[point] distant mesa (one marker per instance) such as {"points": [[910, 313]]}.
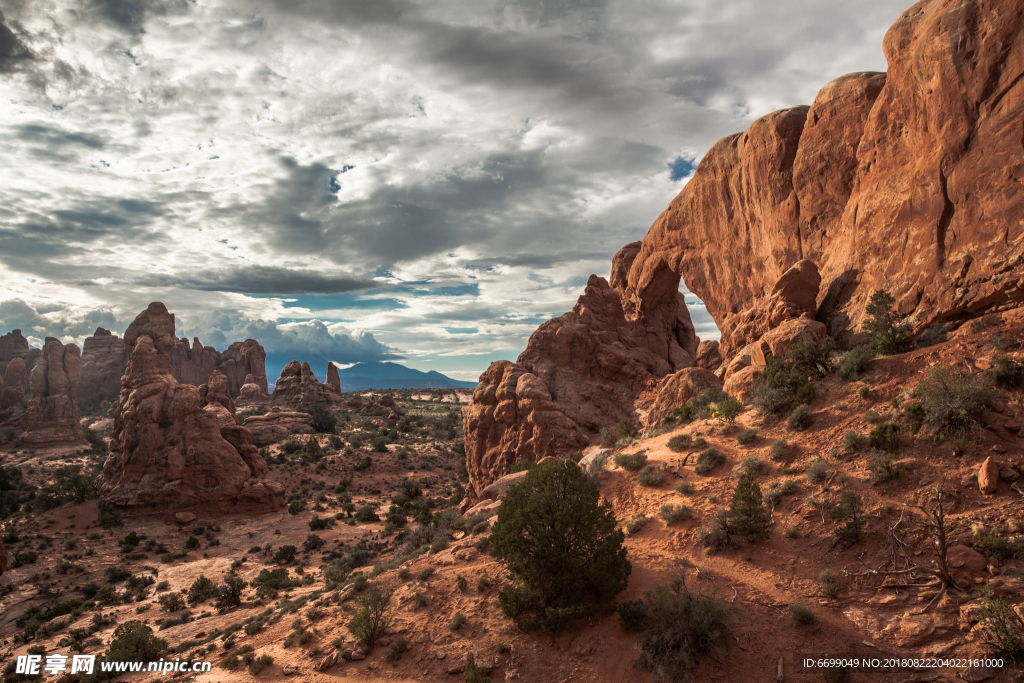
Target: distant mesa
{"points": [[177, 446], [905, 181], [387, 375]]}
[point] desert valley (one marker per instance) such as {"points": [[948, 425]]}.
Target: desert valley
{"points": [[839, 476]]}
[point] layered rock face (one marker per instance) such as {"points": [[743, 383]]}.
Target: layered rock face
{"points": [[252, 393], [909, 181], [12, 395], [51, 416], [277, 424], [103, 364], [579, 373], [176, 446], [298, 386], [195, 363]]}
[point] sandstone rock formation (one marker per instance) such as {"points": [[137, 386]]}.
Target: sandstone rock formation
{"points": [[15, 345], [676, 389], [988, 476], [333, 379], [51, 416], [298, 386], [3, 560], [103, 364], [277, 424], [908, 181], [172, 447], [709, 356], [252, 393], [911, 181], [15, 384], [195, 363]]}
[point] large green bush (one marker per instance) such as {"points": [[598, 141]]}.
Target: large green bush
{"points": [[954, 403], [886, 329], [560, 545]]}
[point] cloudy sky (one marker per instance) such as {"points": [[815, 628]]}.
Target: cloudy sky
{"points": [[371, 179]]}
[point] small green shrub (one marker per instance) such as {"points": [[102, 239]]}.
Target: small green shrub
{"points": [[850, 512], [778, 451], [632, 462], [1002, 626], [679, 443], [633, 614], [886, 330], [751, 466], [684, 487], [675, 513], [806, 394], [637, 523], [885, 437], [374, 615], [397, 649], [953, 403], [855, 363], [715, 536], [1006, 373], [708, 460], [853, 442], [425, 574], [829, 583], [800, 419], [651, 475], [457, 622], [885, 468], [747, 514], [746, 436], [817, 471], [801, 613]]}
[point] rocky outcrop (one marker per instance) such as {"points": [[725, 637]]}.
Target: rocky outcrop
{"points": [[579, 373], [172, 447], [103, 364], [15, 345], [333, 378], [907, 181], [195, 363], [252, 394], [675, 390], [988, 476], [298, 386], [15, 384], [51, 416], [277, 424], [708, 355]]}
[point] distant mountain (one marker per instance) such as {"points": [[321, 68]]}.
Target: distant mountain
{"points": [[385, 375]]}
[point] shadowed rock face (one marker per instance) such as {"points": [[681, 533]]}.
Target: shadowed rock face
{"points": [[51, 416], [12, 395], [15, 345], [176, 446], [103, 364], [911, 181]]}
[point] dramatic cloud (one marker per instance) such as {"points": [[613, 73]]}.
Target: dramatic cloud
{"points": [[364, 180]]}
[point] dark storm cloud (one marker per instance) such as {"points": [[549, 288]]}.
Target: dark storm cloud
{"points": [[264, 280], [12, 50], [48, 136], [131, 15]]}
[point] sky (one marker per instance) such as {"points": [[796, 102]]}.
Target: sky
{"points": [[399, 180]]}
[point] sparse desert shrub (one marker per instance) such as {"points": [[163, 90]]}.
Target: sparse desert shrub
{"points": [[285, 554], [633, 614], [885, 437], [636, 523], [559, 543], [397, 649], [482, 584], [374, 615], [855, 363], [312, 543], [747, 514], [829, 583], [853, 442], [817, 471], [800, 419], [460, 583], [801, 613], [1002, 625], [715, 536], [751, 466], [367, 514], [886, 468], [806, 394], [850, 512], [257, 664], [746, 436], [457, 622], [1006, 373], [681, 626], [773, 496], [424, 574], [632, 462], [886, 329], [778, 451], [914, 415], [651, 475], [318, 523], [936, 334], [679, 443], [675, 513], [708, 460], [116, 574], [684, 487], [954, 403], [627, 429]]}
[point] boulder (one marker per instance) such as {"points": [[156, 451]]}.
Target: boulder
{"points": [[103, 364], [252, 394], [51, 416], [277, 424], [675, 390], [966, 565], [483, 507], [1009, 474], [498, 489], [709, 356], [185, 517], [741, 384], [988, 476], [169, 451]]}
